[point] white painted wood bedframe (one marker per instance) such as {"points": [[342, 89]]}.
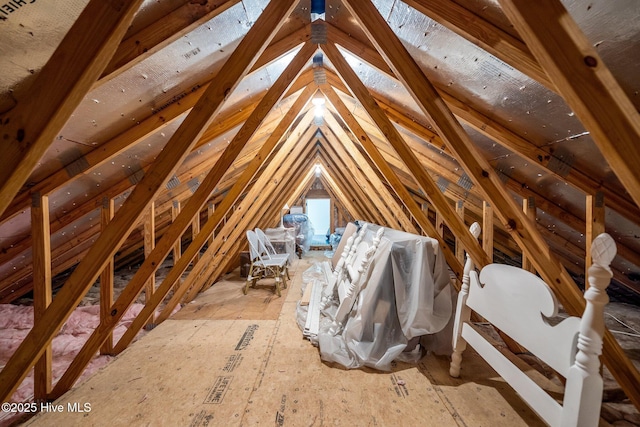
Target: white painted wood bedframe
{"points": [[342, 285], [516, 302]]}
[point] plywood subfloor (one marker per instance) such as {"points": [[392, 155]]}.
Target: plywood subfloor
{"points": [[229, 360]]}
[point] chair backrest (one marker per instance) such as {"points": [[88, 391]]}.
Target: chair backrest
{"points": [[265, 242], [254, 246]]}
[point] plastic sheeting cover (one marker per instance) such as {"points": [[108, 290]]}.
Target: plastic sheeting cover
{"points": [[406, 293]]}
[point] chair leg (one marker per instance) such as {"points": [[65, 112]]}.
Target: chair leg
{"points": [[249, 280], [278, 292]]}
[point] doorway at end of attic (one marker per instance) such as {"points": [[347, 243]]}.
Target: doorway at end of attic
{"points": [[318, 211]]}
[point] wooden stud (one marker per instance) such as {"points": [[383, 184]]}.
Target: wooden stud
{"points": [[41, 288], [149, 243], [150, 265], [487, 229], [106, 277], [195, 229], [211, 208], [179, 145], [460, 210], [595, 226], [177, 246], [30, 127], [523, 232], [585, 82]]}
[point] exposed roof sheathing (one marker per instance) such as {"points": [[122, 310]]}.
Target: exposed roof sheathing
{"points": [[512, 110]]}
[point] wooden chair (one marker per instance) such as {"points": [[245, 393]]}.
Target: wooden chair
{"points": [[517, 302], [264, 267], [267, 251]]}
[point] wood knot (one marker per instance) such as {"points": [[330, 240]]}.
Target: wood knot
{"points": [[590, 61]]}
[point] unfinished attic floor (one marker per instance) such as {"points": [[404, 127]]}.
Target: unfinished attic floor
{"points": [[230, 359]]}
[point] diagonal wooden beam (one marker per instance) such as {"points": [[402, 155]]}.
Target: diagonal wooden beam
{"points": [[184, 218], [154, 123], [222, 211], [577, 177], [283, 166], [30, 127], [338, 187], [484, 34], [139, 46], [235, 68], [407, 155], [521, 228], [361, 202], [584, 81], [388, 173], [379, 192]]}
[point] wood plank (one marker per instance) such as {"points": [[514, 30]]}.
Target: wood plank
{"points": [[521, 229], [408, 157], [163, 31], [195, 230], [487, 229], [29, 128], [595, 221], [42, 292], [181, 222], [275, 375], [149, 243], [176, 207], [585, 83], [107, 211], [179, 145], [489, 37], [460, 210], [389, 175]]}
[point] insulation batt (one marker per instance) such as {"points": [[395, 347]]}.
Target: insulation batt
{"points": [[16, 321]]}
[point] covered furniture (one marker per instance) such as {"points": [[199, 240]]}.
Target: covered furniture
{"points": [[373, 304]]}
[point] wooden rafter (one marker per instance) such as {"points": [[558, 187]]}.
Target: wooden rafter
{"points": [[345, 149], [150, 125], [137, 47], [390, 176], [507, 138], [407, 156], [477, 30], [236, 67], [520, 227], [184, 218], [31, 126], [585, 83]]}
